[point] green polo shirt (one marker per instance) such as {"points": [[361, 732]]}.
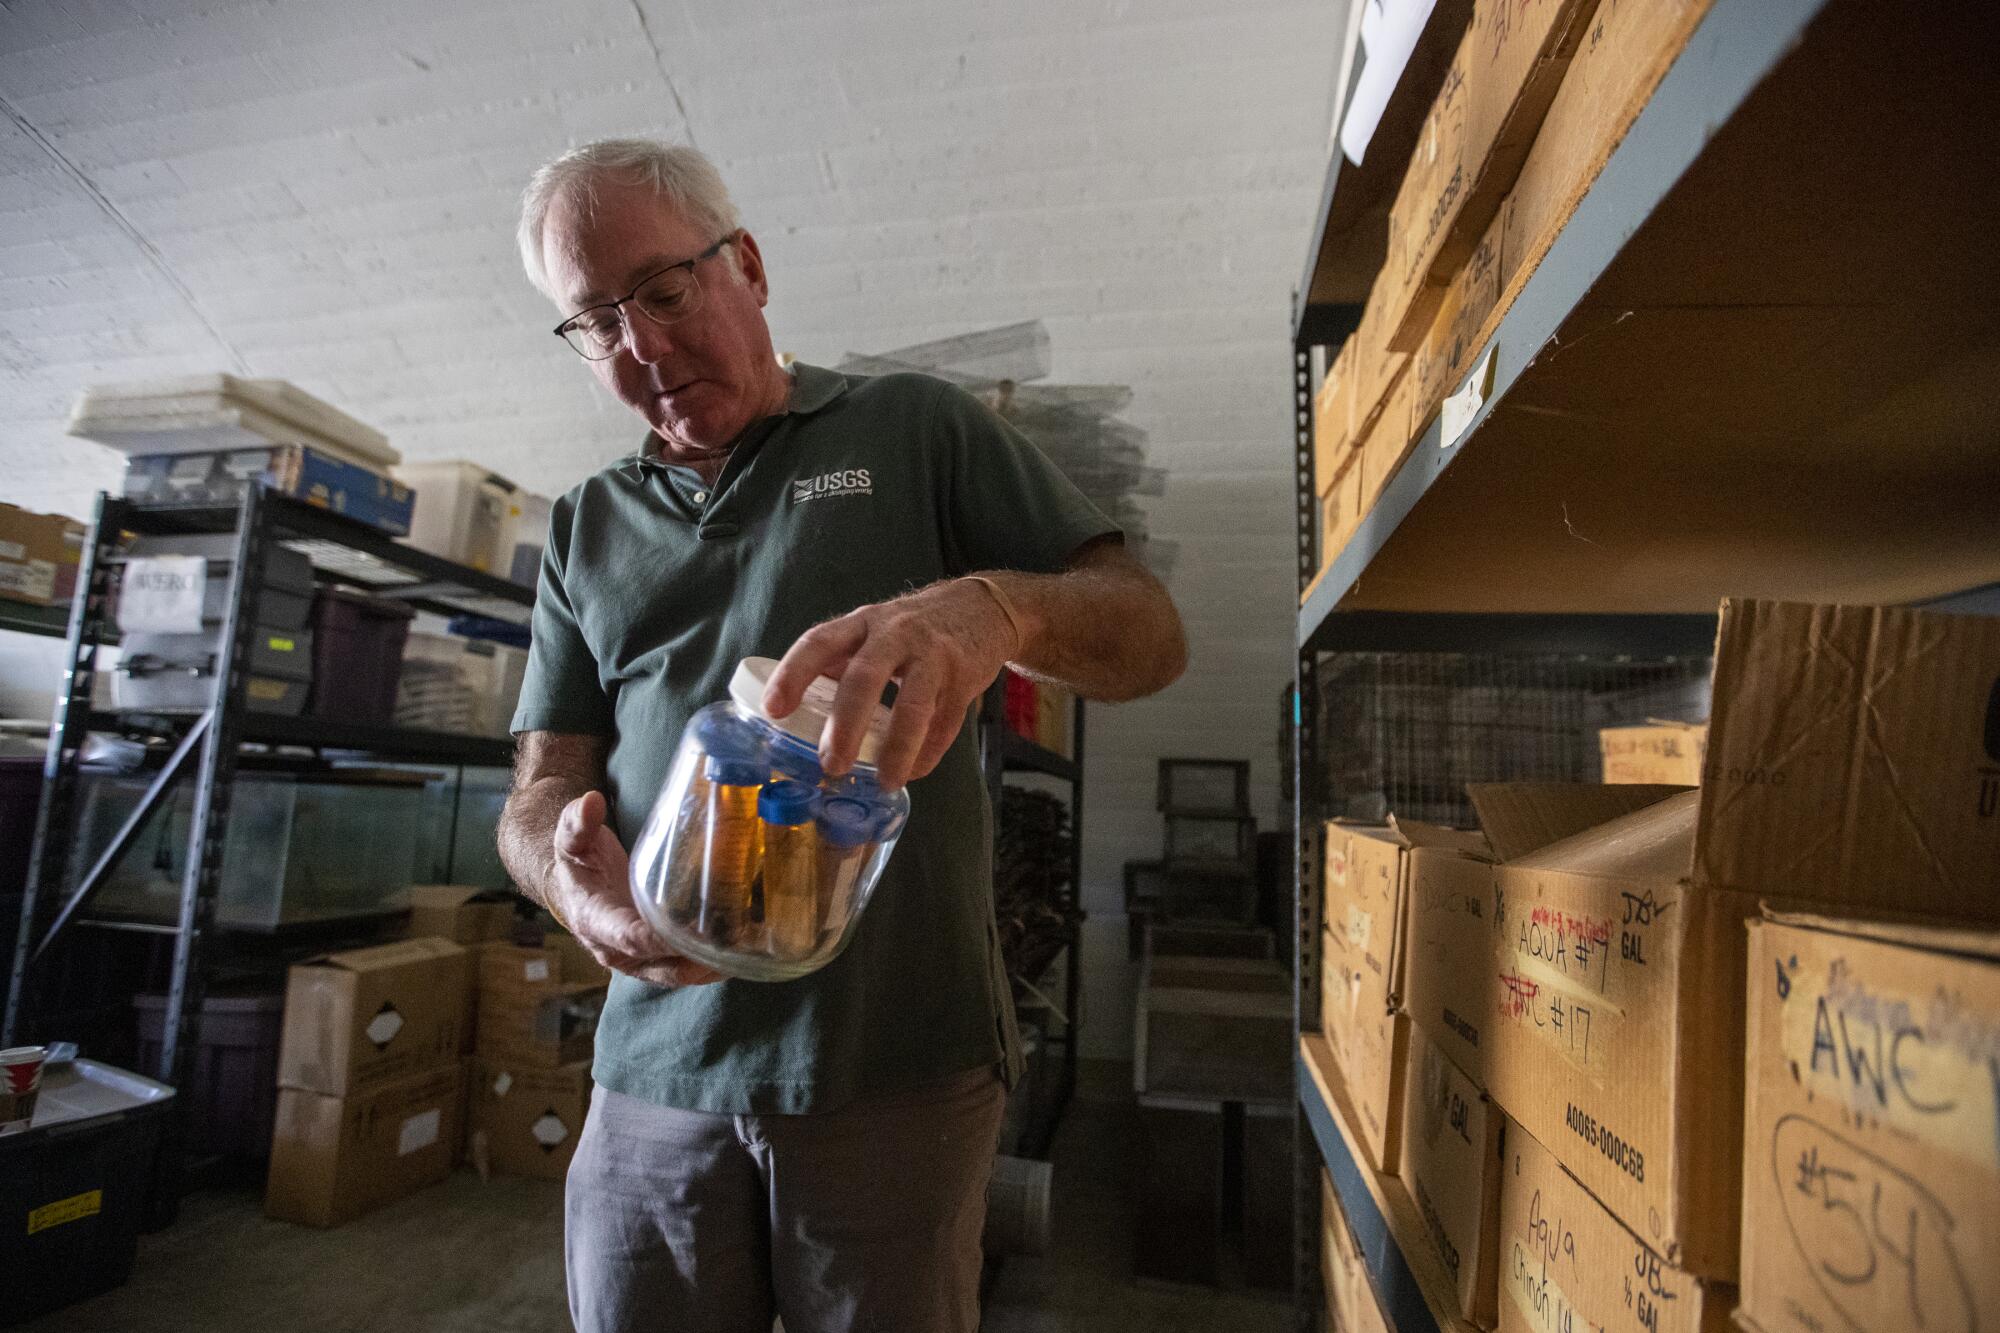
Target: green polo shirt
{"points": [[655, 585]]}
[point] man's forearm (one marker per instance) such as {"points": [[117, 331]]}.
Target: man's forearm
{"points": [[527, 832], [1105, 628]]}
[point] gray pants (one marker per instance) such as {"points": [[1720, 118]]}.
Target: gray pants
{"points": [[867, 1218]]}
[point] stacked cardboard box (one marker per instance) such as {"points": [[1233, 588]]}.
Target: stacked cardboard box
{"points": [[39, 556], [537, 1024], [370, 1085], [1591, 980], [1538, 96], [1368, 875]]}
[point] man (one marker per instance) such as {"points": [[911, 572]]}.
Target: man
{"points": [[817, 1149]]}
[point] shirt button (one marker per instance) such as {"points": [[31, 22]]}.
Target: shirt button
{"points": [[700, 497]]}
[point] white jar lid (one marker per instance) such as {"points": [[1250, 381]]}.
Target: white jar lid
{"points": [[808, 721]]}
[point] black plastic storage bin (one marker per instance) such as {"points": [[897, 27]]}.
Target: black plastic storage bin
{"points": [[20, 796], [357, 655], [73, 1187], [232, 1099]]}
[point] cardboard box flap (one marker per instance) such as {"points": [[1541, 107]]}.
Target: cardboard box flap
{"points": [[1415, 833], [377, 957], [1656, 842], [1523, 817], [1853, 747], [1910, 931]]}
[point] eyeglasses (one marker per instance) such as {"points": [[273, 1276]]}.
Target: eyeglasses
{"points": [[672, 294]]}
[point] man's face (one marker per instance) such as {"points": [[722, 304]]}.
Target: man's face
{"points": [[700, 381]]}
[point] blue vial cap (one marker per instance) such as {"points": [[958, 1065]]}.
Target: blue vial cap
{"points": [[785, 802], [727, 737], [796, 759], [724, 771], [846, 822]]}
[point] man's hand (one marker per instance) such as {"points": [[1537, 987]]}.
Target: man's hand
{"points": [[588, 885], [942, 646]]}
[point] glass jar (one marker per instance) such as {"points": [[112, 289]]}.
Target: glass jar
{"points": [[753, 860]]}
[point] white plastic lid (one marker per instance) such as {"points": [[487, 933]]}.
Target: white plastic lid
{"points": [[808, 720]]}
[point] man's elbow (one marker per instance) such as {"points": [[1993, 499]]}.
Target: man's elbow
{"points": [[1157, 658]]}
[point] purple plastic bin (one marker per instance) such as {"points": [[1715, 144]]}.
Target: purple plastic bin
{"points": [[233, 1101], [357, 656]]}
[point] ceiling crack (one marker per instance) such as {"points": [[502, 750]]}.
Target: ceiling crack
{"points": [[660, 63], [147, 249]]}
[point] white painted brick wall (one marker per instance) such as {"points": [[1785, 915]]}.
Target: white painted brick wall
{"points": [[332, 186]]}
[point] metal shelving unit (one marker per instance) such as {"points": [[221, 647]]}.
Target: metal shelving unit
{"points": [[1756, 361], [50, 980], [1003, 751]]}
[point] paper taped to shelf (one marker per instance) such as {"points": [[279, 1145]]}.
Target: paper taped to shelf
{"points": [[161, 594], [1459, 409], [1389, 33]]}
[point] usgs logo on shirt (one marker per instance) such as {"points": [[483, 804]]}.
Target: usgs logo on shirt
{"points": [[854, 481]]}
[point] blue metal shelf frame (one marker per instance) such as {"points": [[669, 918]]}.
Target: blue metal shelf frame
{"points": [[1737, 43]]}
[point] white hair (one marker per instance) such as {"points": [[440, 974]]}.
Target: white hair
{"points": [[680, 175]]}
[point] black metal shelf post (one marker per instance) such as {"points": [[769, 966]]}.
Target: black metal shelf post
{"points": [[208, 745], [1002, 751]]}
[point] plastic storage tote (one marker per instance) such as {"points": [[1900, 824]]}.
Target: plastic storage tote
{"points": [[74, 1186], [357, 656], [232, 1098], [294, 851], [175, 673], [753, 860], [280, 604]]}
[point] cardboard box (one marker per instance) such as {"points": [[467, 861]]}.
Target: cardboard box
{"points": [[1501, 83], [525, 1121], [1871, 1175], [1340, 512], [465, 914], [541, 1028], [39, 556], [334, 1158], [557, 959], [1389, 442], [539, 1004], [1450, 1161], [1351, 1306], [1367, 882], [1214, 1030], [1854, 758], [1054, 712], [1333, 418], [1615, 1013], [1470, 309], [1566, 1263], [366, 1017], [1654, 752], [1625, 50]]}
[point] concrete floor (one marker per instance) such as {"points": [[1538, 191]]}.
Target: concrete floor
{"points": [[486, 1257]]}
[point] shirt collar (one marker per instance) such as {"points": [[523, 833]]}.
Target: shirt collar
{"points": [[813, 387]]}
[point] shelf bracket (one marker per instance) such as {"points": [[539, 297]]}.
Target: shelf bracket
{"points": [[128, 832]]}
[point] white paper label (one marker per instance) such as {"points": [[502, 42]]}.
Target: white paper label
{"points": [[549, 1131], [419, 1131], [12, 551], [382, 1028], [536, 969], [1463, 406], [502, 1082], [35, 579], [161, 594]]}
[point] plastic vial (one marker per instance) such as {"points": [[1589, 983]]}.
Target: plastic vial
{"points": [[846, 831], [732, 849], [792, 907]]}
